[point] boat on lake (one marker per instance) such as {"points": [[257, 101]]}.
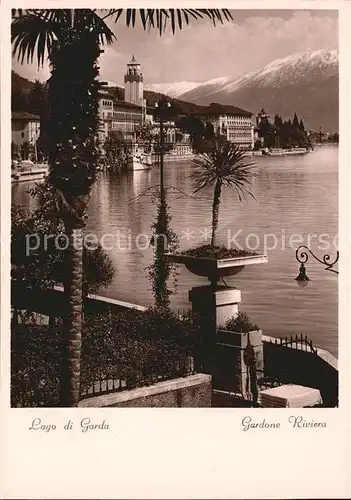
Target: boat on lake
{"points": [[284, 152], [28, 170], [296, 151], [140, 161]]}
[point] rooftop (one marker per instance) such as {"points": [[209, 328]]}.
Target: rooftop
{"points": [[116, 102], [133, 60], [23, 115], [221, 109]]}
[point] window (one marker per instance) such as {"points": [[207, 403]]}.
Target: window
{"points": [[22, 135]]}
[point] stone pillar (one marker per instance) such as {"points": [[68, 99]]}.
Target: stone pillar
{"points": [[234, 371], [224, 354], [214, 304]]}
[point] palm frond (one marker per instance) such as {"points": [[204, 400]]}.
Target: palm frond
{"points": [[32, 32], [228, 164], [216, 15], [159, 18], [94, 22], [35, 30]]}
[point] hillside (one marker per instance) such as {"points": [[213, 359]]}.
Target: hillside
{"points": [[21, 88]]}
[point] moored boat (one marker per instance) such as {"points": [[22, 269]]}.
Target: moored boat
{"points": [[139, 162], [296, 151], [27, 170], [284, 152]]}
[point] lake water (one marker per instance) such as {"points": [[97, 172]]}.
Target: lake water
{"points": [[296, 195]]}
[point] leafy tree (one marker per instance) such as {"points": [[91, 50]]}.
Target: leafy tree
{"points": [[334, 138], [278, 121], [266, 130], [26, 150], [209, 131], [146, 135], [179, 136], [37, 99], [113, 146], [39, 249], [15, 151], [19, 100], [223, 166], [257, 145], [193, 126], [295, 121], [72, 40]]}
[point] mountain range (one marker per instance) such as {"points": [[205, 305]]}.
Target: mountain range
{"points": [[306, 83]]}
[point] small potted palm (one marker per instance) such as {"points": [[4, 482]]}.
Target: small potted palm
{"points": [[224, 166]]}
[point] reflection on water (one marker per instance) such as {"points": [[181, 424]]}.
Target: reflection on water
{"points": [[295, 197]]}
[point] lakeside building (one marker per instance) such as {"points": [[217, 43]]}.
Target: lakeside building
{"points": [[116, 115], [128, 115], [229, 121], [25, 127]]}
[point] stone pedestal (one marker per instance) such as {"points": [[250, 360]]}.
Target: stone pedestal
{"points": [[216, 304], [224, 354], [232, 371]]}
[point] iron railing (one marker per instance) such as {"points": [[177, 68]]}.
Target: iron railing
{"points": [[298, 341], [106, 384]]}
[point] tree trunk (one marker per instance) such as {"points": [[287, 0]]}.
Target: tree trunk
{"points": [[70, 383], [215, 210]]}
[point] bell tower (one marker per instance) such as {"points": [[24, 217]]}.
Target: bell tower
{"points": [[134, 83]]}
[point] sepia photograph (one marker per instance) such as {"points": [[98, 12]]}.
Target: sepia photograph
{"points": [[175, 209]]}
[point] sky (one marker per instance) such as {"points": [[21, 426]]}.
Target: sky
{"points": [[201, 51]]}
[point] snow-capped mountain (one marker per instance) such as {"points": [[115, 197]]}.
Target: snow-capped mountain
{"points": [[172, 89], [305, 82], [303, 66]]}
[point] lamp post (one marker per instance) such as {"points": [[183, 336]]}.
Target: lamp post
{"points": [[162, 106], [302, 256]]}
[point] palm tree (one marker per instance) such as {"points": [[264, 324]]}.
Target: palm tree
{"points": [[223, 166], [72, 39]]}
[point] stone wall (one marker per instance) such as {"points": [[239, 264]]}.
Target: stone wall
{"points": [[194, 391]]}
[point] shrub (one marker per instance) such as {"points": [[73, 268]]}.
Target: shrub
{"points": [[136, 347], [217, 252], [240, 323], [35, 366], [45, 266]]}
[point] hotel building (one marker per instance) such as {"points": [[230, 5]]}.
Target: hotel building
{"points": [[25, 127], [229, 121]]}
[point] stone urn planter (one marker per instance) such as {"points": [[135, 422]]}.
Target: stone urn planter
{"points": [[215, 269]]}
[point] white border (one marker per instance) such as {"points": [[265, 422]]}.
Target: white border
{"points": [[193, 453]]}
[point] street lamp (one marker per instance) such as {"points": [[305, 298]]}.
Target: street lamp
{"points": [[302, 256], [302, 279], [162, 106]]}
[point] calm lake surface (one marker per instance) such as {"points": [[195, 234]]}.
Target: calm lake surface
{"points": [[296, 195]]}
